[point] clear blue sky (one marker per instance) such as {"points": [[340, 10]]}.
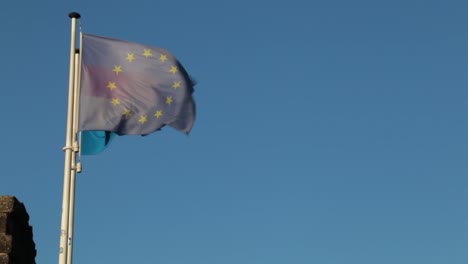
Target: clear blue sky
{"points": [[331, 132]]}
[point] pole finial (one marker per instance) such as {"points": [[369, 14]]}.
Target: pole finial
{"points": [[74, 15]]}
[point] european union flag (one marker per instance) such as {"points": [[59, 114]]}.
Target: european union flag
{"points": [[132, 89]]}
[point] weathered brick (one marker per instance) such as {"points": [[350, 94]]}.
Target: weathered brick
{"points": [[16, 235], [3, 222], [5, 243], [4, 259], [7, 204]]}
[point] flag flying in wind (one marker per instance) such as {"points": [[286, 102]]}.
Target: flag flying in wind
{"points": [[132, 89]]}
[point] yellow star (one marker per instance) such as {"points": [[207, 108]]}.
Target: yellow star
{"points": [[169, 100], [163, 58], [111, 86], [158, 114], [147, 53], [176, 85], [127, 112], [174, 70], [115, 101], [130, 57], [143, 119], [117, 69]]}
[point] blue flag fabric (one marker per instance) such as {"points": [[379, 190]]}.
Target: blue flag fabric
{"points": [[95, 142], [132, 89]]}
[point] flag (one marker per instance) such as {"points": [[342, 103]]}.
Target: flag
{"points": [[95, 142], [132, 89]]}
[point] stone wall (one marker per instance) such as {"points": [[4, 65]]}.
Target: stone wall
{"points": [[16, 236]]}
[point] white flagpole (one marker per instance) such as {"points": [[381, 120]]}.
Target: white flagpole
{"points": [[74, 166], [64, 236]]}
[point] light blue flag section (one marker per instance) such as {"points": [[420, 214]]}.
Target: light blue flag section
{"points": [[94, 142]]}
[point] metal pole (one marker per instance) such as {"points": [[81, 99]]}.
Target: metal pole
{"points": [[71, 211], [68, 145]]}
